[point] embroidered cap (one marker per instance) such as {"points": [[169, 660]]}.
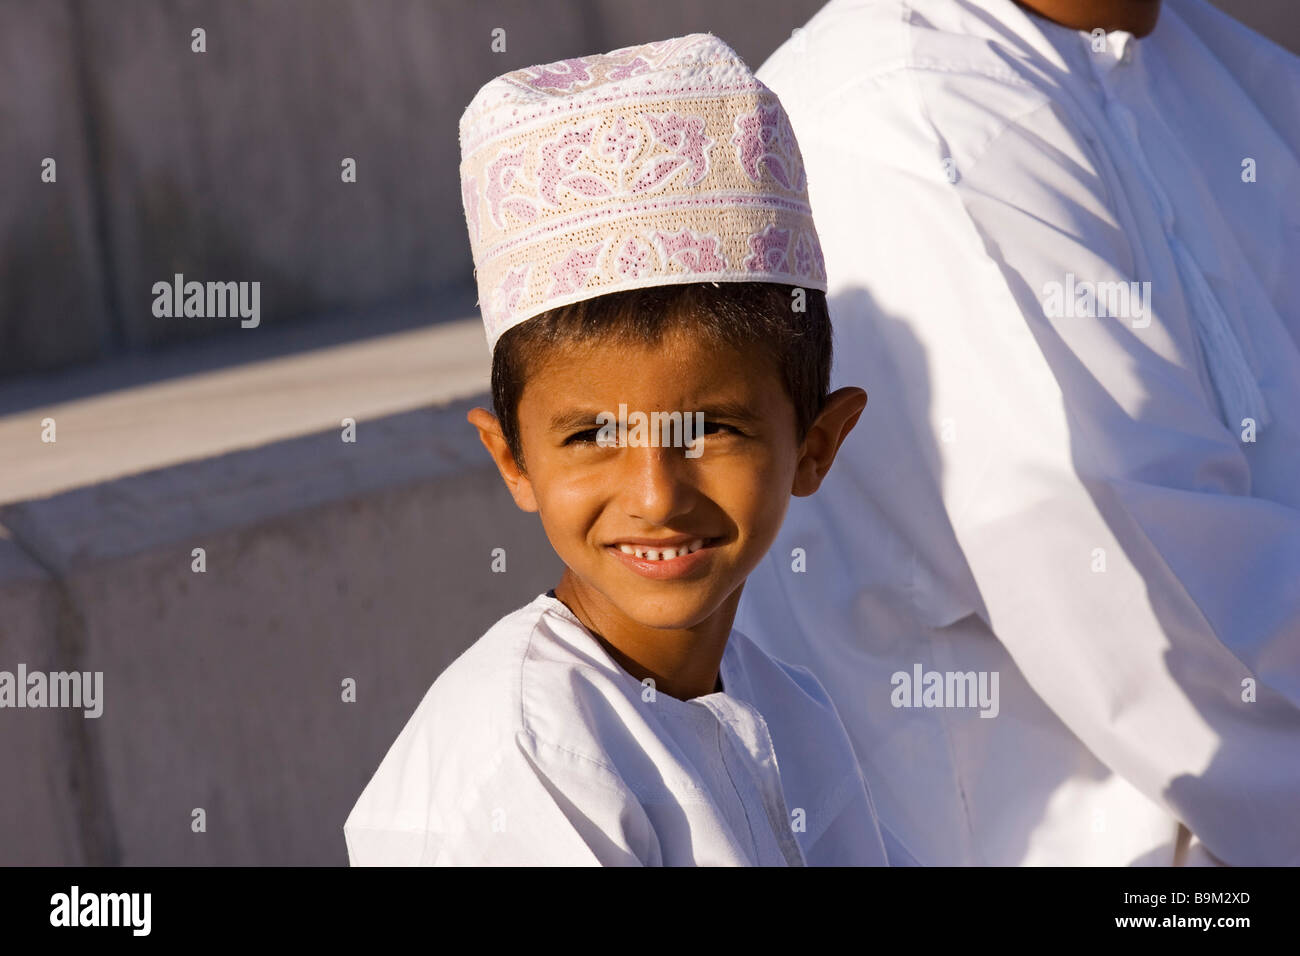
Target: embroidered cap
{"points": [[658, 164]]}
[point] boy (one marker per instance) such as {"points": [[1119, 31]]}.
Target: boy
{"points": [[643, 242]]}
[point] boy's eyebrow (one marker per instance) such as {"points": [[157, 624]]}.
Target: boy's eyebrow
{"points": [[736, 411], [574, 418], [586, 418]]}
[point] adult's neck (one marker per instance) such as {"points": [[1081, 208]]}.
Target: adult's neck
{"points": [[1137, 17]]}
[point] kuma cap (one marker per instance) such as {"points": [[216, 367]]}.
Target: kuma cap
{"points": [[658, 164]]}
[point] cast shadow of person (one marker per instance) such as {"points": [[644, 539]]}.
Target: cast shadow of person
{"points": [[884, 587], [1226, 658]]}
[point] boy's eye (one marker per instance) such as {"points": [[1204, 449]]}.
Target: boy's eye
{"points": [[588, 436]]}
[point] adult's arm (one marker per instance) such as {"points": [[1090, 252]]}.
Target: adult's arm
{"points": [[1102, 507]]}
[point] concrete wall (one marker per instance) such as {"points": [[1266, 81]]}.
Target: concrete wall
{"points": [[225, 165], [222, 689], [52, 303], [40, 749]]}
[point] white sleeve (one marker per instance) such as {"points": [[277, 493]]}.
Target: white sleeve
{"points": [[537, 807], [1061, 446], [547, 807]]}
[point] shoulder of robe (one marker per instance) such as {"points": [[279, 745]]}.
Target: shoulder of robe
{"points": [[534, 677], [455, 738], [886, 73], [771, 678], [478, 694], [525, 709], [466, 722]]}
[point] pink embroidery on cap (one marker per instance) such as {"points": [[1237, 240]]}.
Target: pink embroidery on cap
{"points": [[512, 289], [803, 254], [688, 144], [633, 258], [768, 250], [564, 75], [559, 159], [622, 142], [764, 139], [691, 250], [622, 72], [502, 173], [504, 301], [820, 272], [572, 273]]}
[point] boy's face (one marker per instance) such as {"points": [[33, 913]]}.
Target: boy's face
{"points": [[593, 499]]}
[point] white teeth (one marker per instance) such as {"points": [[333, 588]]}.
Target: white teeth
{"points": [[662, 554]]}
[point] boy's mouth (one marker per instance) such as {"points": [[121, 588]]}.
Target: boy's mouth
{"points": [[664, 549], [663, 558]]}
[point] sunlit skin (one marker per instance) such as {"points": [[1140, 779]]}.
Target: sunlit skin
{"points": [[1137, 17], [736, 492]]}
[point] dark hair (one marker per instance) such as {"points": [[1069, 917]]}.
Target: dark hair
{"points": [[760, 315]]}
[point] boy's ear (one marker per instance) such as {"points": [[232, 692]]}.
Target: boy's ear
{"points": [[489, 432], [838, 416]]}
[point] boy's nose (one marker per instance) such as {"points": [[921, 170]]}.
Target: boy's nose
{"points": [[656, 483]]}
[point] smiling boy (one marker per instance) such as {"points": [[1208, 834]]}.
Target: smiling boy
{"points": [[643, 242]]}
